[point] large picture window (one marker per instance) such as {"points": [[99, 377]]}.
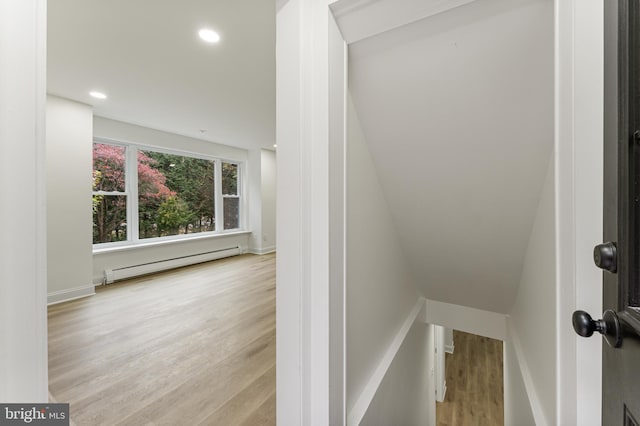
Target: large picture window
{"points": [[140, 194]]}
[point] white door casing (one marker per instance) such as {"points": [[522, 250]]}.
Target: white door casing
{"points": [[302, 327]]}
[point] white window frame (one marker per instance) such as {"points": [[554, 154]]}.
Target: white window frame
{"points": [[131, 192], [126, 193], [238, 195]]}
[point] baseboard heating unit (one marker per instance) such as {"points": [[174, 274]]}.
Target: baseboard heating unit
{"points": [[116, 274]]}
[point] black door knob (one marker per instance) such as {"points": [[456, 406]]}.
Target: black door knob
{"points": [[604, 256], [608, 326]]}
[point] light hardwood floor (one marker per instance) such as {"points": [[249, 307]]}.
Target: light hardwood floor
{"points": [[474, 383], [189, 346]]}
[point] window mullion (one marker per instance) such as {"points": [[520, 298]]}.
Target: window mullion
{"points": [[218, 196], [132, 192]]}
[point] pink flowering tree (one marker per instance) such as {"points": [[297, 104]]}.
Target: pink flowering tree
{"points": [[110, 207]]}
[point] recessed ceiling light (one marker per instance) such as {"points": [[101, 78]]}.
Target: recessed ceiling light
{"points": [[209, 35], [275, 145], [98, 95]]}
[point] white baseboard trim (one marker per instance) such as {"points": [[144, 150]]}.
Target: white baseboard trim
{"points": [[66, 295], [264, 250], [534, 401], [359, 409], [449, 348]]}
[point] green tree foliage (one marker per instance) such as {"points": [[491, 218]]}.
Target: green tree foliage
{"points": [[192, 180], [175, 193], [96, 199], [229, 179], [173, 214]]}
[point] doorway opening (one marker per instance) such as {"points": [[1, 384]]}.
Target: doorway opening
{"points": [[470, 389]]}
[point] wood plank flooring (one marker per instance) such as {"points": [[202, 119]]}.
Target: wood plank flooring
{"points": [[190, 346], [474, 383]]}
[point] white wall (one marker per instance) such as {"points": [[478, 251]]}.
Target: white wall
{"points": [[380, 291], [137, 255], [469, 320], [533, 315], [464, 197], [125, 132], [406, 394], [150, 252], [517, 410], [262, 200], [23, 263], [268, 205], [69, 221], [255, 200]]}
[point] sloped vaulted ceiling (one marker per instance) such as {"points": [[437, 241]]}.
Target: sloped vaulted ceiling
{"points": [[457, 110]]}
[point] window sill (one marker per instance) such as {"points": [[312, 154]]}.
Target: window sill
{"points": [[168, 241]]}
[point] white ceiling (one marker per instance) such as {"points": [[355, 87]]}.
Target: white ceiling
{"points": [[457, 110], [147, 57]]}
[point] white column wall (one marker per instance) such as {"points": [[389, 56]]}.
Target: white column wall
{"points": [[69, 217], [307, 364], [23, 275]]}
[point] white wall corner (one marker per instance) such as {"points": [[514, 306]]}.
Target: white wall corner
{"points": [[534, 401], [254, 201], [263, 250]]}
